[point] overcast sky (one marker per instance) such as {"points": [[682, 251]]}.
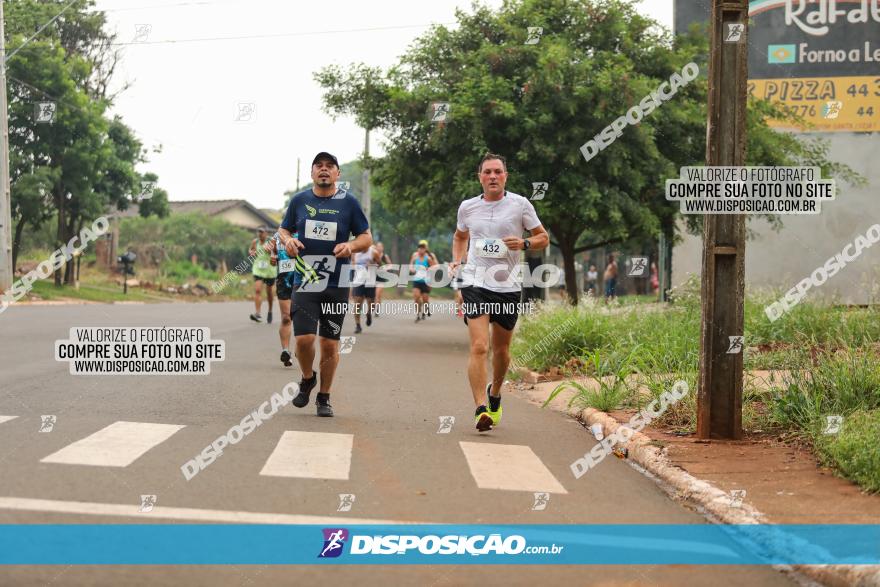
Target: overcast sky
{"points": [[192, 62]]}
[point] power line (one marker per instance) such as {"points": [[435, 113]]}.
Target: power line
{"points": [[130, 8], [280, 35]]}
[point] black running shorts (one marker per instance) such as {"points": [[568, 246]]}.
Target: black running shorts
{"points": [[362, 291], [320, 312], [502, 308], [284, 285], [269, 281]]}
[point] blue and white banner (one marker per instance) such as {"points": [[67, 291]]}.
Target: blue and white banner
{"points": [[656, 544]]}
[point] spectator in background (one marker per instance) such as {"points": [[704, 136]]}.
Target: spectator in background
{"points": [[591, 277], [655, 279], [610, 278]]}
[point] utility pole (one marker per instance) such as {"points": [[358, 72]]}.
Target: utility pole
{"points": [[719, 398], [365, 178], [297, 175], [661, 267], [7, 271]]}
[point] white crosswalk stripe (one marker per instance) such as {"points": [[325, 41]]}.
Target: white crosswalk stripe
{"points": [[311, 455], [117, 445], [511, 467], [7, 418]]}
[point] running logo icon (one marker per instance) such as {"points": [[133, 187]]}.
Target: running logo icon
{"points": [[141, 32], [346, 344], [147, 188], [736, 497], [245, 112], [534, 35], [831, 109], [735, 32], [346, 500], [638, 266], [315, 271], [47, 423], [334, 542], [539, 190], [541, 501], [833, 424], [147, 503], [440, 111], [736, 345], [446, 424], [44, 112]]}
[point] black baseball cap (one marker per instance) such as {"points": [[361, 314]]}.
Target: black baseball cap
{"points": [[325, 155]]}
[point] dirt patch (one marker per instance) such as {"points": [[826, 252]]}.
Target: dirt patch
{"points": [[781, 479]]}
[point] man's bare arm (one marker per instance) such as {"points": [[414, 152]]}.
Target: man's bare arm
{"points": [[459, 247], [361, 243]]}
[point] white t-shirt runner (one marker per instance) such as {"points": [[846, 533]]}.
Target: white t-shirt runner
{"points": [[490, 264], [362, 262]]}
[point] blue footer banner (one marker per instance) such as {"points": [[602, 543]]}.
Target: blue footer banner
{"points": [[619, 544]]}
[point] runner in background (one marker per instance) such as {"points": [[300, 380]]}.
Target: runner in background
{"points": [[364, 293], [284, 289], [384, 261], [263, 273], [419, 263]]}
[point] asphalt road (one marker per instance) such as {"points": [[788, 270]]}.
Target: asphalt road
{"points": [[390, 394]]}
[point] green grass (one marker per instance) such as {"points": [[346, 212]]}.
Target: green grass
{"points": [[842, 383], [95, 293], [855, 451], [830, 353]]}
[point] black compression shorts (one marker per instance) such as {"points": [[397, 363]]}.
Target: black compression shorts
{"points": [[320, 312], [501, 307]]}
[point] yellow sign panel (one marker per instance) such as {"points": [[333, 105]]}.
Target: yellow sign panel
{"points": [[832, 104]]}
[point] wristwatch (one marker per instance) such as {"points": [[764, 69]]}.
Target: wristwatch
{"points": [[526, 244]]}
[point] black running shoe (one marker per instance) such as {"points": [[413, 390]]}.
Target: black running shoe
{"points": [[256, 318], [369, 319], [305, 389], [325, 410], [269, 317], [358, 329], [285, 358]]}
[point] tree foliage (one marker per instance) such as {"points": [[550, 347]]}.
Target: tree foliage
{"points": [[537, 104]]}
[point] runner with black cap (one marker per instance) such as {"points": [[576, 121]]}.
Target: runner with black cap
{"points": [[323, 217], [494, 222]]}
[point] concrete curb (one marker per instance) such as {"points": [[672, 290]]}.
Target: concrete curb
{"points": [[715, 503], [683, 486]]}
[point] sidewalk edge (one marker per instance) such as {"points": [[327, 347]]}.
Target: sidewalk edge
{"points": [[715, 502]]}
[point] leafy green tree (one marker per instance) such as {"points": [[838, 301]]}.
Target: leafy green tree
{"points": [[180, 236], [157, 203], [537, 104], [89, 157]]}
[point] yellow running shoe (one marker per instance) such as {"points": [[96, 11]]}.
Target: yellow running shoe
{"points": [[496, 416], [483, 419]]}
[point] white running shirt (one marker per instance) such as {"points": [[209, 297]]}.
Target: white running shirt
{"points": [[489, 263]]}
